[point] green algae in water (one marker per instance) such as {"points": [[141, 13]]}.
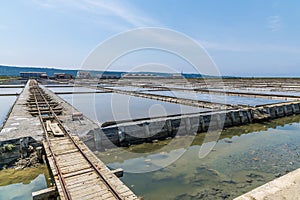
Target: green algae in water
{"points": [[244, 158], [19, 184]]}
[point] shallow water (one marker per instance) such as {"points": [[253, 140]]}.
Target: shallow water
{"points": [[10, 90], [6, 103], [129, 88], [111, 106], [71, 89], [261, 91], [19, 184], [243, 158], [232, 100]]}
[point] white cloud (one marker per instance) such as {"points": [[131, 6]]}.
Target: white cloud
{"points": [[44, 3], [116, 14], [274, 23], [127, 13]]}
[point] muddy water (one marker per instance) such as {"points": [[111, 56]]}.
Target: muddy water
{"points": [[244, 158], [19, 184]]}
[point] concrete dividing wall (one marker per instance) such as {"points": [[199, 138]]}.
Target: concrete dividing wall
{"points": [[124, 134], [285, 187], [281, 110], [157, 129]]}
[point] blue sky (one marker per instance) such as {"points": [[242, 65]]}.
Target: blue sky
{"points": [[244, 38]]}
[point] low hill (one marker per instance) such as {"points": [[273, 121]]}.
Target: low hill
{"points": [[15, 71]]}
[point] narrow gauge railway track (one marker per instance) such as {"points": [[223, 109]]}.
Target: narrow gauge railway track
{"points": [[76, 177]]}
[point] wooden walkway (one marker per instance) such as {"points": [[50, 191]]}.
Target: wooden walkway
{"points": [[77, 172], [80, 178]]}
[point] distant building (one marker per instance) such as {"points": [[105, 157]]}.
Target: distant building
{"points": [[108, 76], [63, 76], [83, 74], [33, 74], [177, 75], [137, 75]]}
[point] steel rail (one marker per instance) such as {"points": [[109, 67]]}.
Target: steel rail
{"points": [[60, 176], [113, 191]]}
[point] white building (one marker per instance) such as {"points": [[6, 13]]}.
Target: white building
{"points": [[83, 74]]}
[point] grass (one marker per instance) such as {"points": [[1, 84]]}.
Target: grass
{"points": [[3, 78]]}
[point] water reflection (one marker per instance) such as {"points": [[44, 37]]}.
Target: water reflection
{"points": [[19, 184], [115, 107], [6, 102], [245, 157], [10, 90], [233, 100], [70, 89]]}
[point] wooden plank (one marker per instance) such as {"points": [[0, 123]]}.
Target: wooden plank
{"points": [[67, 170], [45, 194], [56, 131], [61, 152], [48, 122], [96, 196], [71, 163], [63, 142], [86, 191], [77, 179], [67, 149], [83, 183], [69, 156], [81, 180]]}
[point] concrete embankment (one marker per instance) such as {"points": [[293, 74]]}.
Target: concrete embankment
{"points": [[20, 122], [241, 93], [122, 133], [78, 127], [285, 187], [70, 161], [139, 131]]}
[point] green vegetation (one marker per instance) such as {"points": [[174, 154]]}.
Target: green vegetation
{"points": [[2, 78], [12, 176], [8, 148]]}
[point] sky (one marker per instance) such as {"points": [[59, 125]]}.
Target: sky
{"points": [[242, 38]]}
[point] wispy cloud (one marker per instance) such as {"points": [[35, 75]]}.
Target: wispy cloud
{"points": [[274, 23], [119, 13], [44, 3], [127, 12]]}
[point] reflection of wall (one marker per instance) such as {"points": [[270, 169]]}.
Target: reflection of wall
{"points": [[146, 131], [198, 140]]}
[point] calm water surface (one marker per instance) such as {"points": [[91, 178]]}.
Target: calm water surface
{"points": [[261, 91], [243, 158], [5, 104], [233, 100], [71, 89], [19, 184], [130, 88], [111, 106], [10, 90]]}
